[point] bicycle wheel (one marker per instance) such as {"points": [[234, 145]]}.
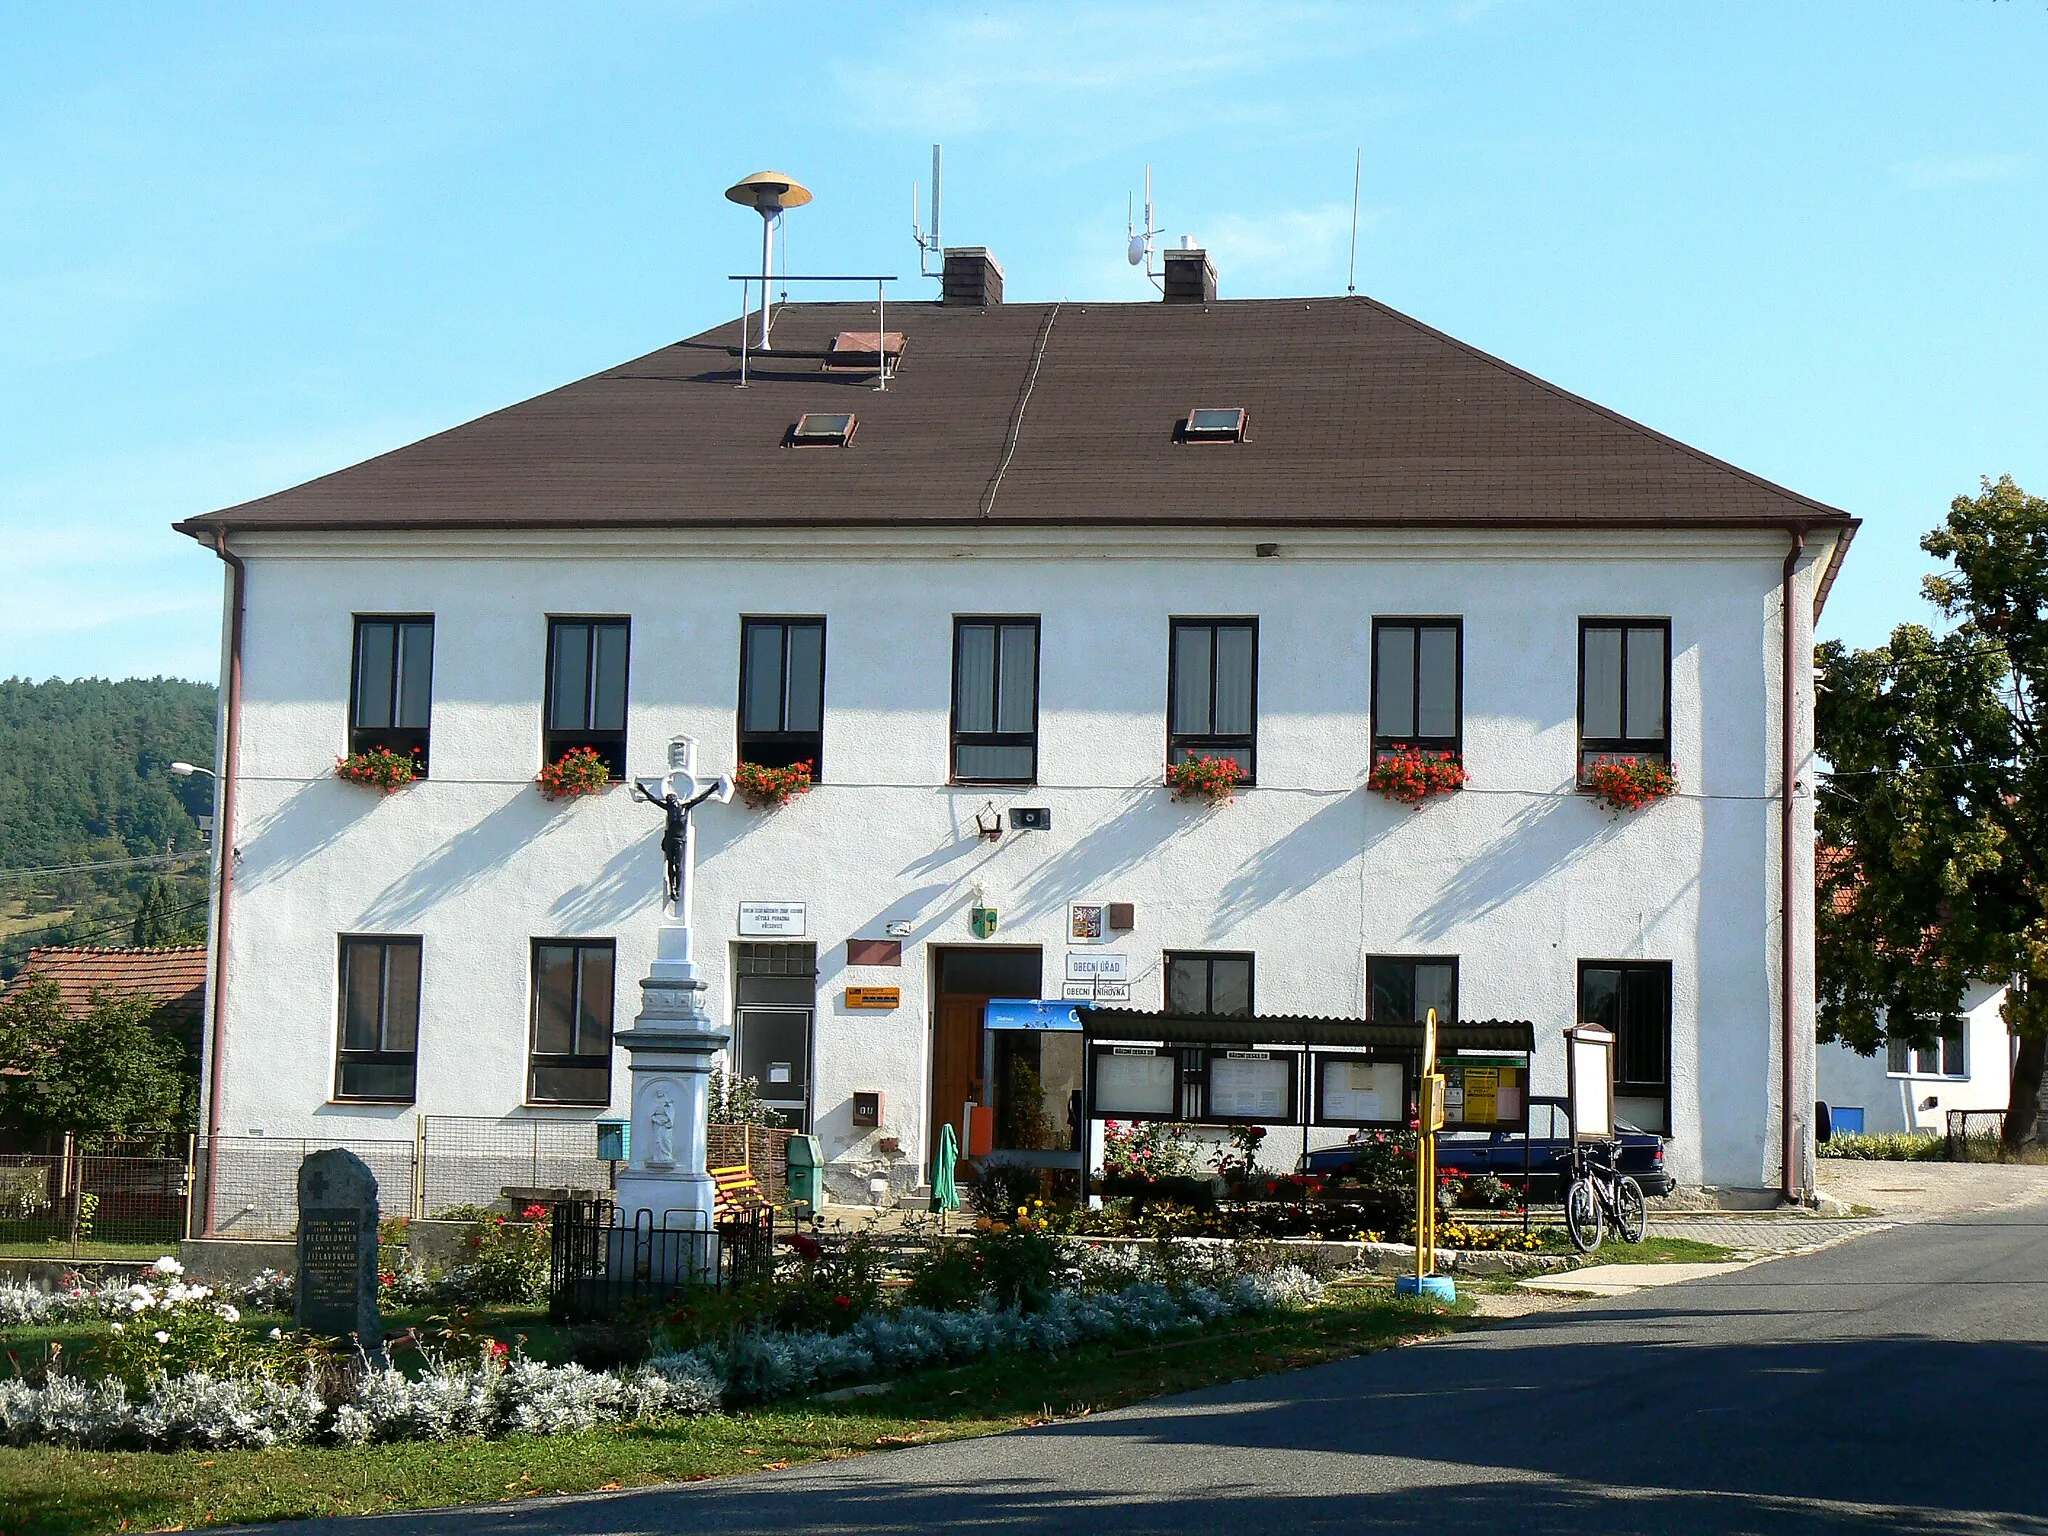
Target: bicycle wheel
{"points": [[1631, 1214], [1582, 1217]]}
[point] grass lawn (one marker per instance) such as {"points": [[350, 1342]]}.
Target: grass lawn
{"points": [[80, 1492], [89, 1252], [1659, 1250]]}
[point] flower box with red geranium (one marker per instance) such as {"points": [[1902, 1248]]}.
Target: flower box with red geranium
{"points": [[1411, 776], [579, 771], [1214, 779], [766, 788], [380, 769], [1630, 783]]}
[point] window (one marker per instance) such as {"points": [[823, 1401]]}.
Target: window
{"points": [[823, 429], [995, 701], [572, 1022], [391, 694], [775, 1000], [1417, 685], [586, 705], [1404, 990], [380, 1020], [1943, 1059], [1624, 690], [1212, 688], [1211, 425], [782, 692], [1219, 985], [1633, 1002]]}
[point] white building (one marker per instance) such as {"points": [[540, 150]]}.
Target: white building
{"points": [[1904, 1088], [1021, 581]]}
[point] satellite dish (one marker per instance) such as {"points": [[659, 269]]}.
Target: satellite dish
{"points": [[1136, 254]]}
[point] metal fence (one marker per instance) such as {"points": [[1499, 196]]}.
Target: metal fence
{"points": [[247, 1186], [599, 1264], [1974, 1136], [112, 1194]]}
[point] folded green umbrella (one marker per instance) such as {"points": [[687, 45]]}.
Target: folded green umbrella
{"points": [[945, 1192]]}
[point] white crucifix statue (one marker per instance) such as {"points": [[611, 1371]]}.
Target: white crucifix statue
{"points": [[665, 1196]]}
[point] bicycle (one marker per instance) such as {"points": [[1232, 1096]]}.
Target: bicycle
{"points": [[1598, 1193]]}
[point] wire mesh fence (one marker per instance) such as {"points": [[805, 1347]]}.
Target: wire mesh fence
{"points": [[247, 1186], [1973, 1136], [114, 1195]]}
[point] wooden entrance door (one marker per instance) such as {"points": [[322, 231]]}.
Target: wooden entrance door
{"points": [[956, 1064]]}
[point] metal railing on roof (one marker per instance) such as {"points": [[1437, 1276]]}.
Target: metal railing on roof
{"points": [[746, 280]]}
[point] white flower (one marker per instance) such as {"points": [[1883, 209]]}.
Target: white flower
{"points": [[275, 1333], [139, 1304], [168, 1266], [230, 1313], [161, 1337], [118, 1327]]}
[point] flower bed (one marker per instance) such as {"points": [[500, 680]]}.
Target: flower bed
{"points": [[497, 1394], [767, 788], [1214, 779], [1411, 776], [579, 771], [1630, 783], [380, 769]]}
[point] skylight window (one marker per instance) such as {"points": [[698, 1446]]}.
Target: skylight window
{"points": [[823, 429], [1213, 425]]}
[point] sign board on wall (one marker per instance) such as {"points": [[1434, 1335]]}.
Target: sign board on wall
{"points": [[1096, 991], [1098, 967], [1087, 922], [1485, 1094], [1028, 1013], [874, 997], [772, 919]]}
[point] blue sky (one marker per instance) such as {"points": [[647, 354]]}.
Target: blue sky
{"points": [[242, 246]]}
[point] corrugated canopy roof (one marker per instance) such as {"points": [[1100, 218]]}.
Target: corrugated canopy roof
{"points": [[1301, 1029], [1360, 416]]}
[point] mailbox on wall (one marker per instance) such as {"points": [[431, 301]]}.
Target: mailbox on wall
{"points": [[867, 1108]]}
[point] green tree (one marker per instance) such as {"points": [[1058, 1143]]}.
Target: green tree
{"points": [[163, 915], [1937, 791], [110, 1071]]}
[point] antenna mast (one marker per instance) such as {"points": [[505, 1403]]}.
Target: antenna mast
{"points": [[1357, 168], [928, 244], [1139, 252]]}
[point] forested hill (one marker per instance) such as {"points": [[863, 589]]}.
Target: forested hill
{"points": [[85, 778]]}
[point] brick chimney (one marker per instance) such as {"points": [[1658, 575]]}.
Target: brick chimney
{"points": [[1190, 277], [971, 276]]}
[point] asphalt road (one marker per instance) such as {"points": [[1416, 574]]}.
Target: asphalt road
{"points": [[1897, 1384]]}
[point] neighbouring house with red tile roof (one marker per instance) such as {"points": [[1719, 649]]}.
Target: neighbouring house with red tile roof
{"points": [[174, 975]]}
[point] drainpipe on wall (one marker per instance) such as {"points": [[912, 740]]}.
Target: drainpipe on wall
{"points": [[224, 834], [1787, 971]]}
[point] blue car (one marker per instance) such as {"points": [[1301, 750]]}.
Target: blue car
{"points": [[1642, 1158]]}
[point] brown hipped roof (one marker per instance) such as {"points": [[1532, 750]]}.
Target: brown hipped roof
{"points": [[1060, 415], [175, 975]]}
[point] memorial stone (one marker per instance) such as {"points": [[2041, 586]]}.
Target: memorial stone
{"points": [[336, 1293]]}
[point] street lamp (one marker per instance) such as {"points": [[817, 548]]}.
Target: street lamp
{"points": [[186, 770]]}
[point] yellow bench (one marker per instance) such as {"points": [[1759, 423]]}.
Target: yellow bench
{"points": [[737, 1190]]}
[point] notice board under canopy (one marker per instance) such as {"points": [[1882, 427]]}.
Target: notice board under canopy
{"points": [[1300, 1069]]}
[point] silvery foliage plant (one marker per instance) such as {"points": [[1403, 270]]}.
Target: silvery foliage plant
{"points": [[494, 1397]]}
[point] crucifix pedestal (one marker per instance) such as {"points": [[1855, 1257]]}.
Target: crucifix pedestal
{"points": [[665, 1196]]}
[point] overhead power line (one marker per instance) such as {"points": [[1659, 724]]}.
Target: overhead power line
{"points": [[152, 861]]}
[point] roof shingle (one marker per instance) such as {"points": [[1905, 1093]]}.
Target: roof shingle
{"points": [[1359, 416]]}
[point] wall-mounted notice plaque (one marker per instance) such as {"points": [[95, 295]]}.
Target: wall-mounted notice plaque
{"points": [[1250, 1085], [1135, 1082], [1361, 1090]]}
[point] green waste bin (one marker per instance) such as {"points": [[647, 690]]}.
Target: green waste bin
{"points": [[807, 1173]]}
